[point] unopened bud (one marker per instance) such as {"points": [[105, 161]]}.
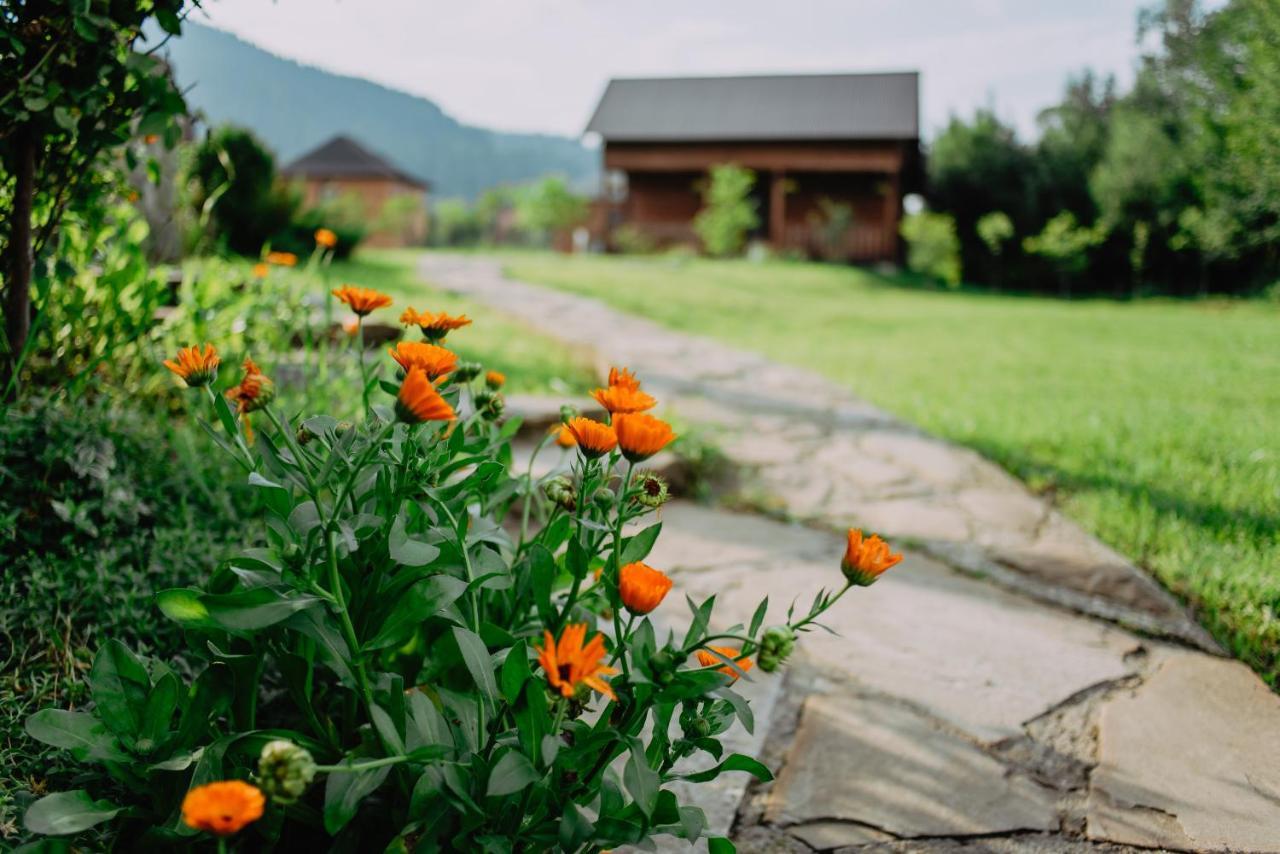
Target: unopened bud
{"points": [[777, 644], [559, 490], [304, 435], [285, 770], [604, 498], [651, 489], [568, 413], [467, 371]]}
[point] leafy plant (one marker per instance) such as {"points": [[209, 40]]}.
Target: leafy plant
{"points": [[236, 190], [932, 246], [430, 633], [728, 211]]}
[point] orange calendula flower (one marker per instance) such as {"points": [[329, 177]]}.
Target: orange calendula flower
{"points": [[195, 367], [641, 436], [222, 808], [434, 361], [434, 326], [708, 659], [495, 379], [151, 138], [255, 390], [361, 300], [624, 378], [419, 401], [326, 238], [570, 664], [866, 559], [642, 587], [594, 438], [620, 400], [261, 269], [564, 436], [282, 259]]}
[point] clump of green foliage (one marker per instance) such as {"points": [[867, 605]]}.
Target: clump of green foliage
{"points": [[728, 211], [98, 507], [932, 247]]}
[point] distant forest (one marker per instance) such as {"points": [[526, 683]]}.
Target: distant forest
{"points": [[295, 107]]}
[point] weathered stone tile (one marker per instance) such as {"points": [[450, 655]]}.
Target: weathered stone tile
{"points": [[872, 763], [1190, 760]]}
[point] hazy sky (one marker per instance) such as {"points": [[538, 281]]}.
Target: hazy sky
{"points": [[540, 65]]}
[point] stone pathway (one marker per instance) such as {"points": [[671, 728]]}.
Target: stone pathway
{"points": [[1013, 685]]}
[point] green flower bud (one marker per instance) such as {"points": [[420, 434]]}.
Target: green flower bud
{"points": [[604, 498], [777, 644], [304, 435], [651, 489], [343, 428], [662, 665], [467, 371], [285, 770], [560, 491], [568, 413]]}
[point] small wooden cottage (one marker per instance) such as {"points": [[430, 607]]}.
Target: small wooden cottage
{"points": [[394, 201], [833, 155]]}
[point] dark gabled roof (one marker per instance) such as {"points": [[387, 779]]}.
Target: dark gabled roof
{"points": [[791, 107], [343, 157]]}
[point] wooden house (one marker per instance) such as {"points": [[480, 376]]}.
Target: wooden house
{"points": [[817, 143], [393, 201]]}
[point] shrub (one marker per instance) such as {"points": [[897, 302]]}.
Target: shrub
{"points": [[1066, 245], [632, 240], [728, 212], [234, 177], [548, 207], [994, 230], [932, 246], [464, 655]]}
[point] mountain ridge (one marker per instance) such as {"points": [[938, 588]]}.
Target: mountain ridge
{"points": [[294, 107]]}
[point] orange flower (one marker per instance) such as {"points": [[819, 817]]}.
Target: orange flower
{"points": [[222, 808], [495, 380], [865, 560], [361, 300], [434, 326], [151, 138], [255, 390], [261, 269], [641, 436], [570, 664], [564, 436], [434, 361], [326, 238], [620, 399], [642, 587], [624, 378], [195, 367], [594, 438], [283, 259], [707, 659], [419, 401]]}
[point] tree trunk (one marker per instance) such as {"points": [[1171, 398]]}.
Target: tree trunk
{"points": [[17, 296]]}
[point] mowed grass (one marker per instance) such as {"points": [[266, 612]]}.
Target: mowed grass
{"points": [[1156, 424], [532, 362]]}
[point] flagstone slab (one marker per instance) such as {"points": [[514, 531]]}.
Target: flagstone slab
{"points": [[859, 764], [1190, 760]]}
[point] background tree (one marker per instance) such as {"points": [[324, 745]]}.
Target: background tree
{"points": [[728, 212], [236, 191], [75, 89], [547, 208], [933, 249]]}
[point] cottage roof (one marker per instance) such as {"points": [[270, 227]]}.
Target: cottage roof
{"points": [[772, 107], [343, 157]]}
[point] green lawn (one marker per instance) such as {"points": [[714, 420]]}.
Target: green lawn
{"points": [[1156, 424], [532, 362]]}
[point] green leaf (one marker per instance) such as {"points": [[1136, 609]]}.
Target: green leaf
{"points": [[120, 685], [406, 551], [344, 791], [512, 773], [740, 707], [153, 123], [575, 828], [638, 547], [161, 703], [240, 611], [515, 671], [386, 729], [80, 732], [542, 575], [419, 602], [757, 619], [640, 779], [169, 21], [65, 119], [692, 822], [735, 762], [476, 656], [720, 845], [67, 812]]}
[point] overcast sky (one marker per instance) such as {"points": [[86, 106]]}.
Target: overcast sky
{"points": [[540, 65]]}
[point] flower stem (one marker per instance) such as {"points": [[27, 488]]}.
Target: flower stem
{"points": [[364, 374]]}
